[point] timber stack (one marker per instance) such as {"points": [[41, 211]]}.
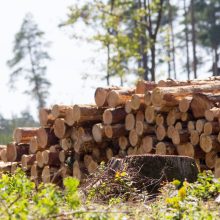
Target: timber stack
{"points": [[166, 118]]}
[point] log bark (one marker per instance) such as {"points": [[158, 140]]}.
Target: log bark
{"points": [[180, 137], [115, 131], [170, 96], [51, 158], [24, 135], [199, 104], [101, 95], [15, 151], [87, 113], [114, 115], [46, 137], [144, 128], [119, 97]]}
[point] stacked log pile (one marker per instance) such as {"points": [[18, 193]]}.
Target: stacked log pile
{"points": [[167, 118]]}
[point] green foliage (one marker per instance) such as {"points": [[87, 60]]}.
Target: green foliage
{"points": [[29, 60]]}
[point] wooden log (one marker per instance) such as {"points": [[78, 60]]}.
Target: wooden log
{"points": [[115, 131], [150, 114], [191, 125], [147, 98], [51, 158], [69, 116], [133, 137], [139, 116], [98, 132], [170, 131], [217, 168], [200, 125], [114, 115], [39, 159], [128, 107], [3, 155], [65, 171], [210, 159], [61, 129], [50, 175], [119, 97], [109, 153], [27, 161], [143, 86], [173, 116], [77, 173], [147, 143], [131, 150], [137, 100], [45, 117], [211, 127], [34, 146], [170, 148], [62, 156], [209, 142], [152, 166], [36, 173], [59, 111], [180, 137], [161, 148], [144, 128], [66, 143], [123, 142], [129, 122], [101, 95], [24, 135], [15, 166], [184, 104], [159, 119], [55, 148], [169, 96], [15, 151], [46, 137], [185, 149], [199, 104], [194, 137], [92, 167], [87, 113], [2, 147], [161, 132], [212, 114], [179, 126]]}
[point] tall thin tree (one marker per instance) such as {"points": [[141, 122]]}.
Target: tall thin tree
{"points": [[30, 56]]}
